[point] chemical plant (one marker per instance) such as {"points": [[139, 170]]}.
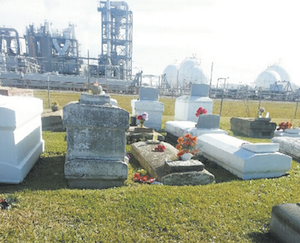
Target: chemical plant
{"points": [[52, 58]]}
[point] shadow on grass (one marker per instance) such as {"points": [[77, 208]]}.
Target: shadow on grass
{"points": [[262, 237], [46, 174]]}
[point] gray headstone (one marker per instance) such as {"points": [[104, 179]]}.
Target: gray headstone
{"points": [[201, 90], [96, 143], [208, 121], [147, 93]]}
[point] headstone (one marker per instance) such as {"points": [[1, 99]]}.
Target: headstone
{"points": [[244, 159], [201, 90], [254, 128], [148, 102], [52, 121], [147, 93], [95, 143], [165, 167], [289, 146], [187, 106], [285, 222], [208, 121], [21, 140]]}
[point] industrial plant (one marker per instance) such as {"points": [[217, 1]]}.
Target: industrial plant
{"points": [[48, 57]]}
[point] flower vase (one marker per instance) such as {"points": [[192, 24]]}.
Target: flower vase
{"points": [[142, 123], [186, 156]]}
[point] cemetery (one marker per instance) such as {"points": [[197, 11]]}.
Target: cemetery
{"points": [[235, 186]]}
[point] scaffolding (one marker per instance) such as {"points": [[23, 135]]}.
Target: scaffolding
{"points": [[116, 47]]}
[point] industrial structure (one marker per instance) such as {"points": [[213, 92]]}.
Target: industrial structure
{"points": [[116, 57], [49, 58]]}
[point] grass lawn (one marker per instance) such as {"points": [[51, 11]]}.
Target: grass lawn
{"points": [[230, 210]]}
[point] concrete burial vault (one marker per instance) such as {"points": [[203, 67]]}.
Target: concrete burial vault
{"points": [[21, 140], [243, 159]]}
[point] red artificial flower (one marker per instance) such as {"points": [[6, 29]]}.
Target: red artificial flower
{"points": [[151, 180], [137, 177], [145, 178]]}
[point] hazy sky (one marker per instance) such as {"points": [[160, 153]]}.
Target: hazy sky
{"points": [[241, 37]]}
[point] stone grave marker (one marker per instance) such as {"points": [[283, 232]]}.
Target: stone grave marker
{"points": [[148, 102], [95, 143], [165, 167]]}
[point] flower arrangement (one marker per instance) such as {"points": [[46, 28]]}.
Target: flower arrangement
{"points": [[261, 110], [284, 125], [159, 148], [142, 177], [142, 118], [54, 106], [187, 144], [3, 204], [201, 111]]}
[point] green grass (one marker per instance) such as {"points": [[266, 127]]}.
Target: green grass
{"points": [[230, 210]]}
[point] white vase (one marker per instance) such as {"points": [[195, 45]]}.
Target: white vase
{"points": [[186, 156]]}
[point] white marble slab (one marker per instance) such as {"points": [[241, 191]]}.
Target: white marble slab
{"points": [[227, 151]]}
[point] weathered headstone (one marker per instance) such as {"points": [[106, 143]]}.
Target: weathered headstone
{"points": [[254, 128], [21, 140], [244, 159], [96, 143], [294, 133], [285, 223], [148, 102], [186, 106]]}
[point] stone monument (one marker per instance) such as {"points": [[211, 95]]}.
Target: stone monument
{"points": [[148, 102], [95, 142], [186, 106]]}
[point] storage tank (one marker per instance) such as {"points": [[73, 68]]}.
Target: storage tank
{"points": [[266, 79], [197, 76], [171, 72]]}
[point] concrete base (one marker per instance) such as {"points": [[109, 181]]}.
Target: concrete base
{"points": [[15, 174], [180, 128], [228, 152], [95, 173], [52, 121], [285, 223]]}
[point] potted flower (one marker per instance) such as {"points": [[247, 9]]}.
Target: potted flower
{"points": [[54, 106], [187, 146], [261, 110], [142, 118]]}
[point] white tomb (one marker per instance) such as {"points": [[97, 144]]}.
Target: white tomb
{"points": [[148, 102], [289, 146], [21, 140], [243, 159], [294, 133], [207, 123], [187, 106]]}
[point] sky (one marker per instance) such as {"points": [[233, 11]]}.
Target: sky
{"points": [[240, 37]]}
